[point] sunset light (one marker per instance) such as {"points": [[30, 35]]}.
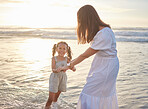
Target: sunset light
{"points": [[57, 13], [42, 14]]}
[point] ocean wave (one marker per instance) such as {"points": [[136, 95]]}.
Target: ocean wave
{"points": [[137, 34], [132, 33], [131, 28]]}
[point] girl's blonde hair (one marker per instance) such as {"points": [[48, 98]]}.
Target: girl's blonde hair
{"points": [[69, 53]]}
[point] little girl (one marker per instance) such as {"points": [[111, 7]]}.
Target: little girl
{"points": [[58, 79]]}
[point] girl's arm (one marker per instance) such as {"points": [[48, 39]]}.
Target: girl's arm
{"points": [[89, 52], [54, 66]]}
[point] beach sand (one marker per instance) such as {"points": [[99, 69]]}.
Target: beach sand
{"points": [[26, 66]]}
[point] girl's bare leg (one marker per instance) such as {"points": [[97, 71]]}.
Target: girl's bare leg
{"points": [[56, 96], [50, 100]]}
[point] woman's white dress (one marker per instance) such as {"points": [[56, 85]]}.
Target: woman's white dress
{"points": [[99, 91]]}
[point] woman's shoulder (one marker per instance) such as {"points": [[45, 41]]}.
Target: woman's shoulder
{"points": [[102, 40], [104, 33], [105, 30]]}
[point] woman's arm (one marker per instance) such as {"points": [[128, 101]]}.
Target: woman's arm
{"points": [[89, 52]]}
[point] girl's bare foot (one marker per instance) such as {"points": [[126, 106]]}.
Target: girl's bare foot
{"points": [[47, 107]]}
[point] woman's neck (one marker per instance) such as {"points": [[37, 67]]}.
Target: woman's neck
{"points": [[101, 27]]}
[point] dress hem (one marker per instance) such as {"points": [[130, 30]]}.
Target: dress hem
{"points": [[92, 102]]}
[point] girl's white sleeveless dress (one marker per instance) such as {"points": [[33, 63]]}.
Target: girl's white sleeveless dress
{"points": [[99, 91]]}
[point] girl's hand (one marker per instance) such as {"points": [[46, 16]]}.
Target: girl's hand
{"points": [[59, 69], [65, 68]]}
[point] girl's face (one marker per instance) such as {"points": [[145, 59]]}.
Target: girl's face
{"points": [[61, 49]]}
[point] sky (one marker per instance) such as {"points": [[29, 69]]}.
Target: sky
{"points": [[62, 13]]}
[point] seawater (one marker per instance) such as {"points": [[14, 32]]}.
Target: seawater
{"points": [[124, 34]]}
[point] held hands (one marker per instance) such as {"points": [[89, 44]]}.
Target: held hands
{"points": [[71, 66], [73, 69], [67, 67], [57, 70], [63, 69]]}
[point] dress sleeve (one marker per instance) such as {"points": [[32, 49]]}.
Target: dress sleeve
{"points": [[102, 41]]}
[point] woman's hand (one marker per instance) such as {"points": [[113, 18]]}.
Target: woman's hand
{"points": [[73, 69], [71, 66]]}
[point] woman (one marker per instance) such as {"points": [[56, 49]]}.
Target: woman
{"points": [[99, 91]]}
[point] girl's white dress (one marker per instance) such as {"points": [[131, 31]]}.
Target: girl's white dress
{"points": [[100, 90]]}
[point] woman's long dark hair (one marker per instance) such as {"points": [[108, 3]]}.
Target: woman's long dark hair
{"points": [[88, 24]]}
